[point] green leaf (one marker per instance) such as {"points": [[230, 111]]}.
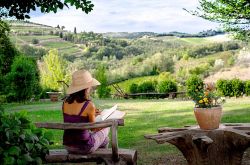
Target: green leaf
{"points": [[29, 146], [21, 161], [27, 157], [9, 160], [22, 136], [14, 151], [38, 160]]}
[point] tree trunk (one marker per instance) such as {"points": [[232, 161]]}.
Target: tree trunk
{"points": [[222, 146]]}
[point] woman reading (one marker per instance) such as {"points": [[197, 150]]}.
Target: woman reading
{"points": [[78, 108]]}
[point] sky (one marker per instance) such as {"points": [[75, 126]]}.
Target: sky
{"points": [[160, 16]]}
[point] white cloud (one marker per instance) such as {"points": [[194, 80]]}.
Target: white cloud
{"points": [[131, 16]]}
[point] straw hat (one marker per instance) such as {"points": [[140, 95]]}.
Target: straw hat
{"points": [[81, 79]]}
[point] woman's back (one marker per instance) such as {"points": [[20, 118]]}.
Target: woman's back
{"points": [[76, 113]]}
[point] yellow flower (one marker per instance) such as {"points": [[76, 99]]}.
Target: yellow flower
{"points": [[205, 99], [201, 101]]}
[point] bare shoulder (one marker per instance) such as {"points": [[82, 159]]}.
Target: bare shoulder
{"points": [[91, 106]]}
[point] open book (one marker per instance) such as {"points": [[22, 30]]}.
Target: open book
{"points": [[111, 113]]}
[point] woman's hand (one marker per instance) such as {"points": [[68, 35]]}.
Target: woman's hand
{"points": [[97, 112]]}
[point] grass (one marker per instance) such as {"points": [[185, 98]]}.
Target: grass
{"points": [[142, 117], [70, 50], [194, 40], [39, 37], [55, 44]]}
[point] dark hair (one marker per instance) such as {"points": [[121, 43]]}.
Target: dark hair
{"points": [[79, 97]]}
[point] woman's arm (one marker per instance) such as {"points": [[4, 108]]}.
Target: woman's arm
{"points": [[92, 114]]}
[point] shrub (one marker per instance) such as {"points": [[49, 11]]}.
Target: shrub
{"points": [[237, 87], [35, 41], [201, 70], [3, 99], [230, 46], [102, 90], [164, 76], [21, 142], [32, 51], [225, 87], [133, 88], [167, 86], [147, 86], [22, 79], [7, 50], [194, 84], [247, 88], [53, 69]]}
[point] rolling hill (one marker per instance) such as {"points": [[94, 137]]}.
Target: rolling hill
{"points": [[131, 55]]}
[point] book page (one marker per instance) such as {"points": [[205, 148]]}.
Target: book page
{"points": [[105, 113]]}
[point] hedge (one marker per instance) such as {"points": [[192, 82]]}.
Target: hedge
{"points": [[234, 87]]}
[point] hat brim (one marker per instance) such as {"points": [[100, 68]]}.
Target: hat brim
{"points": [[74, 89]]}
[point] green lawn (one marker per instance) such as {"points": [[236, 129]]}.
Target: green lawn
{"points": [[55, 44], [39, 37], [142, 117]]}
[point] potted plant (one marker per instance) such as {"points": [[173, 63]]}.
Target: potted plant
{"points": [[208, 109]]}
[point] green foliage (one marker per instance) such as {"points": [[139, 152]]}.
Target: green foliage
{"points": [[7, 51], [238, 87], [164, 76], [23, 79], [225, 87], [133, 88], [202, 70], [146, 87], [247, 88], [231, 61], [103, 91], [34, 41], [21, 142], [167, 86], [52, 70], [234, 87], [194, 85], [33, 52], [204, 96], [234, 15], [21, 9], [186, 56], [204, 50]]}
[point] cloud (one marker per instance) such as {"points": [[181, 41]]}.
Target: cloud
{"points": [[130, 16]]}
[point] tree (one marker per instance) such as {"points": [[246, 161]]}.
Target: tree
{"points": [[23, 78], [74, 30], [7, 50], [22, 9], [234, 15], [52, 70], [102, 90]]}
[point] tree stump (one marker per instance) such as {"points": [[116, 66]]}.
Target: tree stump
{"points": [[222, 146]]}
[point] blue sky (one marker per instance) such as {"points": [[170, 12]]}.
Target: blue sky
{"points": [[130, 16]]}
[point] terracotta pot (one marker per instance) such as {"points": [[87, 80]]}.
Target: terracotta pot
{"points": [[208, 118], [53, 96]]}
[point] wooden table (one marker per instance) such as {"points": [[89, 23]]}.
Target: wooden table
{"points": [[222, 146]]}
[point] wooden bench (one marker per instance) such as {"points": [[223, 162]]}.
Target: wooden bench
{"points": [[112, 156]]}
